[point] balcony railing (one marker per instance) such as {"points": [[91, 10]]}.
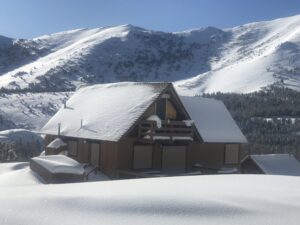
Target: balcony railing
{"points": [[169, 130]]}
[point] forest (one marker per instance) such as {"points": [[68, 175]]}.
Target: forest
{"points": [[270, 119]]}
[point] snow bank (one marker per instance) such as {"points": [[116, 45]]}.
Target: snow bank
{"points": [[59, 164], [19, 144], [18, 174], [25, 136], [214, 200]]}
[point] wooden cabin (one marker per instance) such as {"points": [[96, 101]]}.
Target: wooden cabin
{"points": [[271, 164], [146, 129]]}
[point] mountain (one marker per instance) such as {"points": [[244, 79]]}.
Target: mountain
{"points": [[37, 75], [66, 60], [256, 55]]}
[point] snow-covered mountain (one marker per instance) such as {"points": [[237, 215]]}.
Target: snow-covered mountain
{"points": [[256, 55], [240, 59], [66, 60]]}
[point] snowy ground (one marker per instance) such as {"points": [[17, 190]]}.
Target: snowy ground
{"points": [[17, 175], [215, 199]]}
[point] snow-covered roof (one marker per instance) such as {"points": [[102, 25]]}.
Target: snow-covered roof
{"points": [[277, 164], [56, 143], [59, 164], [106, 111], [212, 120]]}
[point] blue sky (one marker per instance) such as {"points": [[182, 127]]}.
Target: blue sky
{"points": [[31, 18]]}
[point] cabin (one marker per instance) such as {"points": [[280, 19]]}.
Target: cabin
{"points": [[272, 164], [133, 129]]}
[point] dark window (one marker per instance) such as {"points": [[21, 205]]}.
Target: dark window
{"points": [[161, 108]]}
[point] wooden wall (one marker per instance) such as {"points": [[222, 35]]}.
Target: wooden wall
{"points": [[249, 167], [109, 158], [83, 151]]}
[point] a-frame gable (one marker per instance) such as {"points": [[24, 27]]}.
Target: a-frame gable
{"points": [[169, 89]]}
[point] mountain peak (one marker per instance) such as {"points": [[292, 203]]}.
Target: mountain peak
{"points": [[5, 42]]}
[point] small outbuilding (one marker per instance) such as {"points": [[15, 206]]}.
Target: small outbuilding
{"points": [[58, 169], [56, 146], [272, 164]]}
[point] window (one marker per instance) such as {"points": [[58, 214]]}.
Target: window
{"points": [[72, 148], [231, 154], [161, 108], [142, 158]]}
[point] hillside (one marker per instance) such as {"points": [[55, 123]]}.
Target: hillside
{"points": [[37, 75]]}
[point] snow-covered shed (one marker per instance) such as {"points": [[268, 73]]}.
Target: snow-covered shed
{"points": [[272, 164], [56, 146], [129, 126], [58, 169]]}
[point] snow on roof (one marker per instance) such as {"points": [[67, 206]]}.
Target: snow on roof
{"points": [[56, 143], [277, 164], [212, 120], [106, 111], [59, 164]]}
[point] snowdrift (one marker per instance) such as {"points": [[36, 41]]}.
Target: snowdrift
{"points": [[218, 199]]}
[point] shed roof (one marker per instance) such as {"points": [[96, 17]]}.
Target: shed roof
{"points": [[212, 120], [59, 164], [277, 164], [106, 111]]}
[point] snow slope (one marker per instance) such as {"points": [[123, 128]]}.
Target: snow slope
{"points": [[29, 110], [240, 59], [257, 55], [218, 199]]}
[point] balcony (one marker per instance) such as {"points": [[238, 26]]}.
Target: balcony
{"points": [[149, 131]]}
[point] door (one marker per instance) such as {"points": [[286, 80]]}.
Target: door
{"points": [[95, 154], [174, 159], [142, 157]]}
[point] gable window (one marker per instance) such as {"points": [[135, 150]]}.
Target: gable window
{"points": [[72, 148], [231, 154], [161, 108]]}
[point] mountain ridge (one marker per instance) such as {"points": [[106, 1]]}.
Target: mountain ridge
{"points": [[241, 59]]}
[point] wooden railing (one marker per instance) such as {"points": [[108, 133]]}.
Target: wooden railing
{"points": [[169, 130]]}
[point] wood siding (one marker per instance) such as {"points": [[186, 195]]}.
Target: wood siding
{"points": [[208, 155], [109, 158], [250, 167]]}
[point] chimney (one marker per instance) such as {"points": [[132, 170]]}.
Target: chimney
{"points": [[81, 124]]}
